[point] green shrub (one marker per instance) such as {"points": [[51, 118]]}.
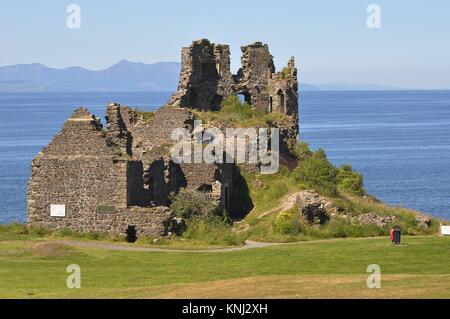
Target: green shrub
{"points": [[285, 73], [212, 230], [234, 113], [232, 105], [286, 224], [301, 150], [317, 173], [188, 204], [350, 181], [342, 228]]}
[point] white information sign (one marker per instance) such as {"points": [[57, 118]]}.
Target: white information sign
{"points": [[445, 230], [58, 210]]}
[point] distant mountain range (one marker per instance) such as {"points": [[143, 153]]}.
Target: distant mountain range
{"points": [[124, 76]]}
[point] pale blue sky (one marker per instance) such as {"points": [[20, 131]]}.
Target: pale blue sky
{"points": [[330, 38]]}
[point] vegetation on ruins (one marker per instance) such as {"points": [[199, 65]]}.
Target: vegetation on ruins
{"points": [[235, 113], [189, 204], [286, 73], [145, 116]]}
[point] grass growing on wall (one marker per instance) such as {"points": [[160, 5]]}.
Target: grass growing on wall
{"points": [[234, 113], [146, 116]]}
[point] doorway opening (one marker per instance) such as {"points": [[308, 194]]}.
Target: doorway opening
{"points": [[227, 199], [281, 102], [131, 234]]}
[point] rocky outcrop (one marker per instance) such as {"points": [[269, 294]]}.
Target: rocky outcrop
{"points": [[372, 218], [423, 221], [314, 209]]}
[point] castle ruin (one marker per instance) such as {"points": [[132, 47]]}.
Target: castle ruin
{"points": [[121, 177]]}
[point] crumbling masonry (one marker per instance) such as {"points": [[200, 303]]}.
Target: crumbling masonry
{"points": [[206, 79], [121, 177]]}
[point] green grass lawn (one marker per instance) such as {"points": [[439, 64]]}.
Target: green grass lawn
{"points": [[333, 268]]}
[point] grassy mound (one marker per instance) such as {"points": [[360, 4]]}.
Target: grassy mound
{"points": [[342, 185]]}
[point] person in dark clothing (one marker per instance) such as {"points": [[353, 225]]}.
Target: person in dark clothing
{"points": [[397, 235]]}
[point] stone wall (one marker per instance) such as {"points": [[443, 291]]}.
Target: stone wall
{"points": [[253, 77], [161, 176], [81, 126], [82, 185], [82, 170], [117, 134], [283, 91], [156, 132]]}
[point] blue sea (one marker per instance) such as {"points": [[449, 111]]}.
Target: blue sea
{"points": [[399, 140]]}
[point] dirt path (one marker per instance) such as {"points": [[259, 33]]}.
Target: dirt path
{"points": [[288, 203], [248, 245]]}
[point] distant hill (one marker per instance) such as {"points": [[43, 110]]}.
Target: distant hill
{"points": [[123, 76]]}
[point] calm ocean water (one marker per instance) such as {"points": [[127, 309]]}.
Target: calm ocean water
{"points": [[399, 140]]}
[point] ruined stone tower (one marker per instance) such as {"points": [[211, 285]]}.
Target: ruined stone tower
{"points": [[205, 76], [206, 79]]}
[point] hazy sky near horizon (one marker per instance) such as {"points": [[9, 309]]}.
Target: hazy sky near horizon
{"points": [[330, 39]]}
